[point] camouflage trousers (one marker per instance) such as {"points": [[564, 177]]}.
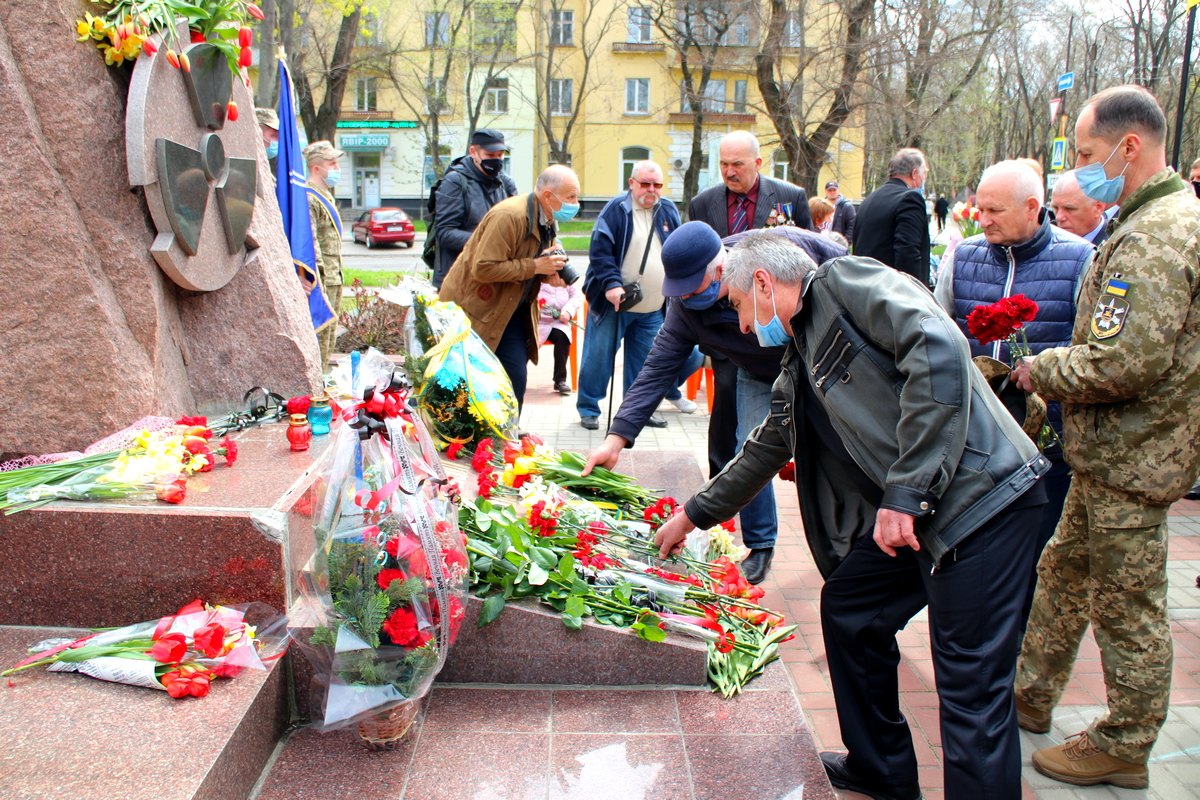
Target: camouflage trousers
{"points": [[1107, 565], [326, 336]]}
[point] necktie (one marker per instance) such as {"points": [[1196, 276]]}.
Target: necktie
{"points": [[739, 215]]}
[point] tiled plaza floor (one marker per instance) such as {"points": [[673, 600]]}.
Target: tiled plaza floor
{"points": [[793, 587]]}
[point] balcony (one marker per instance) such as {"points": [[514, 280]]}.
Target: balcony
{"points": [[638, 47], [714, 117], [359, 116]]}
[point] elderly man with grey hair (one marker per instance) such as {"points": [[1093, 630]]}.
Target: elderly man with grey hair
{"points": [[892, 225], [626, 251], [1077, 213], [916, 488], [1020, 252]]}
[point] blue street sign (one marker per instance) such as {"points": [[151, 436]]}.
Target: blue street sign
{"points": [[1066, 81], [1058, 154]]}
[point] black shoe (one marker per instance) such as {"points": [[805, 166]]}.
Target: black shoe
{"points": [[561, 387], [590, 423], [757, 563], [1193, 493], [656, 421], [842, 776]]}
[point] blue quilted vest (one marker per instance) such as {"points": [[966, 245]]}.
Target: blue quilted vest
{"points": [[1046, 269]]}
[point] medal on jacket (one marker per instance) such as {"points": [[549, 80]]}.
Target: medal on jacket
{"points": [[1112, 309]]}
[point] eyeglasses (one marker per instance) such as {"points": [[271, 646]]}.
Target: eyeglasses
{"points": [[648, 185]]}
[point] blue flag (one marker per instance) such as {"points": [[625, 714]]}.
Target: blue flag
{"points": [[291, 191]]}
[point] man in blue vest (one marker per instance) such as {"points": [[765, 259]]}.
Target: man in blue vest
{"points": [[1020, 252]]}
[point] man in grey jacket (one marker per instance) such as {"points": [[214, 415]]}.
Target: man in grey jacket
{"points": [[894, 434], [471, 186]]}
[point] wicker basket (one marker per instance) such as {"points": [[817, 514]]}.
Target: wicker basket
{"points": [[385, 731]]}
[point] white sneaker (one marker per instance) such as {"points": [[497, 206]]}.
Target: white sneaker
{"points": [[684, 405]]}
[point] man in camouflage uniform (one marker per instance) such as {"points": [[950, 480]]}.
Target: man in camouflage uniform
{"points": [[1128, 386], [323, 175]]}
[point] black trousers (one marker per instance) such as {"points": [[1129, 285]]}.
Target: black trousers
{"points": [[722, 423], [562, 349], [975, 629]]}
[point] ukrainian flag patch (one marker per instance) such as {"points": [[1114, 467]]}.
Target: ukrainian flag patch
{"points": [[1116, 288]]}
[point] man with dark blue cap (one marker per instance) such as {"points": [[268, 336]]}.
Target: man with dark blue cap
{"points": [[699, 314]]}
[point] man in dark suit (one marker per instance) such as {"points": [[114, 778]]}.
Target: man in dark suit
{"points": [[1077, 213], [892, 225], [748, 200]]}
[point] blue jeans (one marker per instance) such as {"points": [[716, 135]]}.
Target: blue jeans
{"points": [[513, 354], [605, 329], [760, 522]]}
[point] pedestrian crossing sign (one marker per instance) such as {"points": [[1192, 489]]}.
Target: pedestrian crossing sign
{"points": [[1058, 154]]}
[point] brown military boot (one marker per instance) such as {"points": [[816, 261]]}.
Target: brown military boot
{"points": [[1079, 761], [1032, 719]]}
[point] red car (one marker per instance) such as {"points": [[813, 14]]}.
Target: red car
{"points": [[384, 225]]}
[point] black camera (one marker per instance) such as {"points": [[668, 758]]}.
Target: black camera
{"points": [[566, 271]]}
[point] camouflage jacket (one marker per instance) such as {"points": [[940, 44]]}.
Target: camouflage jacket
{"points": [[1130, 380], [327, 242]]}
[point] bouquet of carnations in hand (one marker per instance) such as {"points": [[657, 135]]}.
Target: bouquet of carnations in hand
{"points": [[140, 464], [591, 558], [180, 654], [386, 583], [461, 388]]}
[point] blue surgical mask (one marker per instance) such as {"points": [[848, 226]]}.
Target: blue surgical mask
{"points": [[567, 212], [272, 149], [772, 334], [921, 190], [702, 300], [332, 177], [1095, 183]]}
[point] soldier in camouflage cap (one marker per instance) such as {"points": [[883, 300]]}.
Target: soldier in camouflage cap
{"points": [[323, 175], [1128, 386]]}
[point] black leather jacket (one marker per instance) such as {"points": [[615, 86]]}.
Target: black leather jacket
{"points": [[902, 420]]}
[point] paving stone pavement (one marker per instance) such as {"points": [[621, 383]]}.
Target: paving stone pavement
{"points": [[793, 588]]}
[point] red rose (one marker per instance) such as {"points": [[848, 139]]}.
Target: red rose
{"points": [[401, 628], [210, 639], [170, 649]]}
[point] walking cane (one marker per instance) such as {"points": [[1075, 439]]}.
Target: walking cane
{"points": [[613, 369]]}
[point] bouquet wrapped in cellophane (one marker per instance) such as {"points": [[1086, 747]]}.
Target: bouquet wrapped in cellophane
{"points": [[386, 584], [462, 390]]}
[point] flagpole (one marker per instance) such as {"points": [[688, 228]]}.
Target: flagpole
{"points": [[1183, 83]]}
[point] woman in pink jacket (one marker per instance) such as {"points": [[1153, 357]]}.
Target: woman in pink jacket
{"points": [[557, 307]]}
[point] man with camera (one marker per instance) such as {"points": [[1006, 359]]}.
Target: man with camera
{"points": [[624, 289], [496, 277]]}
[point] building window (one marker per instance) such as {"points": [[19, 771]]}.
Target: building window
{"points": [[779, 164], [637, 96], [436, 101], [496, 24], [560, 96], [437, 29], [629, 157], [739, 97], [714, 96], [364, 94], [562, 28], [638, 26], [792, 32], [741, 31], [368, 31], [497, 96]]}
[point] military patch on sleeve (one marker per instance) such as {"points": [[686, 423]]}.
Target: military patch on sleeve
{"points": [[1110, 314]]}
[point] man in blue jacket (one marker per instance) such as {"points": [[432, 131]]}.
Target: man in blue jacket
{"points": [[1020, 252], [626, 248], [699, 314]]}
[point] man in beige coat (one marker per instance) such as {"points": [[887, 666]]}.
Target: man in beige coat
{"points": [[496, 277]]}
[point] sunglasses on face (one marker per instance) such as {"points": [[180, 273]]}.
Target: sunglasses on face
{"points": [[648, 185]]}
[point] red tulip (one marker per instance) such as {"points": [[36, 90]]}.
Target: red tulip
{"points": [[197, 37], [245, 37], [173, 492], [194, 607], [170, 649], [187, 680], [148, 48], [173, 58], [254, 11], [185, 63], [245, 57], [231, 110], [210, 639]]}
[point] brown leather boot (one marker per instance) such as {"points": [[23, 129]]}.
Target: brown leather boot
{"points": [[1080, 762], [1032, 719]]}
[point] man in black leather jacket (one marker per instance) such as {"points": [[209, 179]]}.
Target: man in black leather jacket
{"points": [[471, 186], [895, 434]]}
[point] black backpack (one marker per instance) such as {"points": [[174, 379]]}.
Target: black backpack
{"points": [[429, 254]]}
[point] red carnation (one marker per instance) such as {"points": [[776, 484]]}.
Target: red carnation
{"points": [[453, 449], [229, 449], [386, 576], [401, 628], [788, 473], [189, 422], [298, 405], [1002, 319]]}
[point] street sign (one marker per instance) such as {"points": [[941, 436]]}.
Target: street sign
{"points": [[1058, 154], [1056, 104], [1066, 81], [1053, 179], [362, 141]]}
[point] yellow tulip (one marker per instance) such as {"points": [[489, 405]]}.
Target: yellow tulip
{"points": [[507, 477], [524, 466]]}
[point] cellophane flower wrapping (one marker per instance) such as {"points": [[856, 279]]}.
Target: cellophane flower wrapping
{"points": [[386, 585], [463, 393]]}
